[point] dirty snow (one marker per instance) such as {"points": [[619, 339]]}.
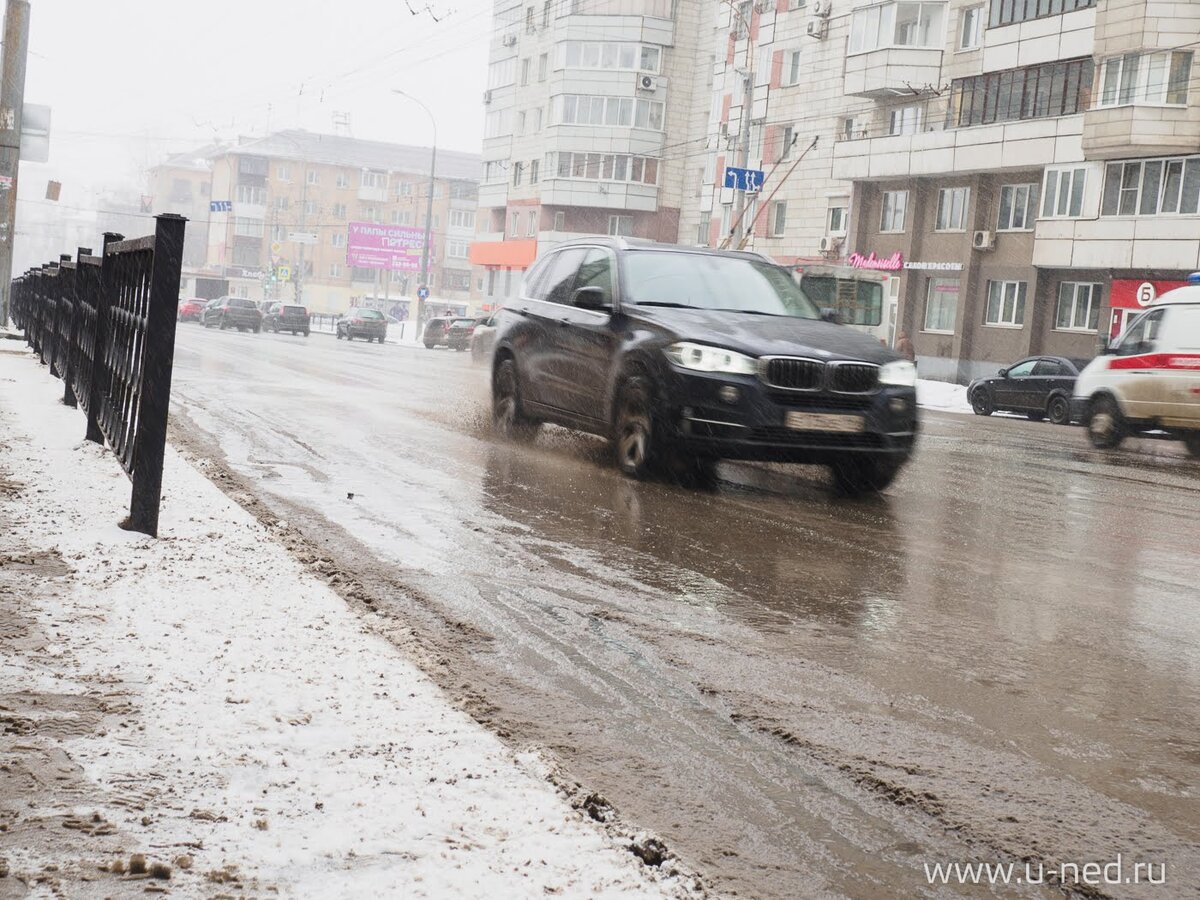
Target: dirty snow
{"points": [[943, 396], [271, 729]]}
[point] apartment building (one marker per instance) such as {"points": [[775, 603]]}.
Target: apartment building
{"points": [[588, 110], [291, 198], [1030, 168]]}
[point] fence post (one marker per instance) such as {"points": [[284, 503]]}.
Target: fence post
{"points": [[99, 372], [69, 295], [159, 342]]}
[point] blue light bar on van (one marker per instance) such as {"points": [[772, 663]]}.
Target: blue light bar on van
{"points": [[1194, 278]]}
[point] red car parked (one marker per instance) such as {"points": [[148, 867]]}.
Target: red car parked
{"points": [[189, 309]]}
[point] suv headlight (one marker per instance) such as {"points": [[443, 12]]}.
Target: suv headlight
{"points": [[899, 372], [703, 358]]}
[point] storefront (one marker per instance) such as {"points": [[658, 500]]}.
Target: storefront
{"points": [[1129, 296]]}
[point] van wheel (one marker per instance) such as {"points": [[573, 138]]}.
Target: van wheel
{"points": [[1191, 440], [1058, 411], [636, 437], [507, 416], [854, 476], [1106, 427]]}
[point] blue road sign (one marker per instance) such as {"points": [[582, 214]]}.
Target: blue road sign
{"points": [[423, 293], [744, 179], [220, 205]]}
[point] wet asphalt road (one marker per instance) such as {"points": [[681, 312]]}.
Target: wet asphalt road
{"points": [[804, 696]]}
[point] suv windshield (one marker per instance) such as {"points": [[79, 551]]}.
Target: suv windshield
{"points": [[370, 314], [708, 281]]}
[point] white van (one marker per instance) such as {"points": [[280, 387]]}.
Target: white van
{"points": [[1149, 378]]}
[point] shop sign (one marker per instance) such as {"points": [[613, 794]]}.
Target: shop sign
{"points": [[892, 263], [935, 266], [1136, 293]]}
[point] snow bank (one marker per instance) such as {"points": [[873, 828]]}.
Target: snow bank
{"points": [[942, 395], [270, 725]]}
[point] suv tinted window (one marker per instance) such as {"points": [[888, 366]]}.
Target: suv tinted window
{"points": [[242, 304], [596, 271], [535, 279], [294, 310], [561, 274]]}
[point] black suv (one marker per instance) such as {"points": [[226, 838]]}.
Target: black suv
{"points": [[683, 356], [281, 317], [232, 312], [363, 323]]}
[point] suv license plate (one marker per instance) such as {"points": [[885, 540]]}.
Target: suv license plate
{"points": [[805, 421]]}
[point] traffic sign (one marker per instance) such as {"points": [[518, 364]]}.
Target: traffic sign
{"points": [[750, 180], [423, 292], [302, 237], [220, 206], [276, 246], [284, 273]]}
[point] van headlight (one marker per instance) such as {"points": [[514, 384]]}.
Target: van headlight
{"points": [[899, 372], [703, 358]]}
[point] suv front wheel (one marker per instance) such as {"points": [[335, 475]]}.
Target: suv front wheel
{"points": [[636, 438]]}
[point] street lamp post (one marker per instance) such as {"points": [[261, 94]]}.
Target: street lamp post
{"points": [[419, 308]]}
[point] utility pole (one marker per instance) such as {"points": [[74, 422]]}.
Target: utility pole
{"points": [[739, 201], [419, 306], [12, 100], [298, 275]]}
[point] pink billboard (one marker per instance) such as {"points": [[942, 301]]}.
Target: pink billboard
{"points": [[393, 247]]}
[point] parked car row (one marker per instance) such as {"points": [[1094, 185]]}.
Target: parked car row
{"points": [[1039, 386]]}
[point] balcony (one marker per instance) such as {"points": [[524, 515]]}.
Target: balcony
{"points": [[374, 194], [891, 72], [599, 194], [1120, 132]]}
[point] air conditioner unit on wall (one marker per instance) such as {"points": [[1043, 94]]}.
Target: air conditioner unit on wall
{"points": [[983, 240], [487, 97], [816, 28], [647, 83], [829, 245], [821, 8], [509, 40]]}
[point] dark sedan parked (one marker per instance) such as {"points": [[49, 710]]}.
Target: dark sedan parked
{"points": [[280, 317], [232, 312], [437, 331], [1039, 386], [363, 323], [683, 356]]}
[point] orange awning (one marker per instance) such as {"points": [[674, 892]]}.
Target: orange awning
{"points": [[508, 254]]}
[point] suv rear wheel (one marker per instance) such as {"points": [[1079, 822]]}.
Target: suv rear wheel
{"points": [[507, 415], [1106, 426]]}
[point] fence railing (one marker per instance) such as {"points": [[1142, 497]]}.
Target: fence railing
{"points": [[105, 325]]}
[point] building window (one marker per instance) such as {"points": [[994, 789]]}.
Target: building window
{"points": [[335, 270], [1008, 12], [1063, 194], [789, 137], [311, 208], [620, 225], [853, 128], [1078, 307], [525, 66], [534, 166], [374, 179], [1034, 92], [343, 180], [251, 194], [462, 218], [248, 227], [941, 305], [952, 209], [518, 173], [529, 26], [1018, 207], [533, 223], [456, 249], [338, 239], [282, 203], [521, 122], [608, 167], [1160, 78], [1152, 186], [406, 189], [837, 220], [905, 120], [778, 218], [585, 109], [537, 120], [560, 221], [543, 66], [514, 220], [279, 233], [791, 67], [970, 28], [339, 210], [1005, 304], [605, 55], [283, 173], [895, 203], [897, 25], [313, 176]]}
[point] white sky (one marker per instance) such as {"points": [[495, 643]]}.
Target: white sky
{"points": [[132, 80]]}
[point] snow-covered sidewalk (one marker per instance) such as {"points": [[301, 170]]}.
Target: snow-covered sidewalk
{"points": [[217, 709], [943, 396]]}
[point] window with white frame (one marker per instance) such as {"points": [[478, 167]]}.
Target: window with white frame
{"points": [[521, 122], [587, 109], [525, 68], [905, 120], [338, 239], [1151, 78], [534, 170], [282, 203], [970, 28], [895, 205], [502, 73], [836, 222], [251, 194], [457, 249], [1078, 306], [778, 218], [537, 120], [343, 180], [853, 128], [335, 270], [1006, 304], [248, 227], [897, 25], [405, 189], [1018, 207], [786, 140], [941, 304], [518, 172], [543, 66], [531, 226], [374, 179], [283, 173], [620, 225], [607, 167], [339, 210], [1152, 187], [952, 209], [791, 67], [560, 221], [462, 218], [497, 123], [514, 222], [1062, 195], [608, 55], [312, 207], [313, 176]]}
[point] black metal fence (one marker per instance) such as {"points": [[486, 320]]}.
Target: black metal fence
{"points": [[106, 326]]}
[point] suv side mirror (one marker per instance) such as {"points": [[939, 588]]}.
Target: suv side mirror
{"points": [[591, 298], [829, 314]]}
